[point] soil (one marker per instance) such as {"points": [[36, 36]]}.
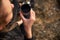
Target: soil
{"points": [[47, 24]]}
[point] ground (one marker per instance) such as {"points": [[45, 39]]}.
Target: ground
{"points": [[47, 24]]}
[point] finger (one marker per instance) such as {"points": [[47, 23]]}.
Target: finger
{"points": [[32, 14], [19, 22], [22, 16]]}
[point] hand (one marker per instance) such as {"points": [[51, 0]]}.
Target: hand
{"points": [[19, 22], [28, 22]]}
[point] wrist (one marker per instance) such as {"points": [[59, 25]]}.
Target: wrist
{"points": [[28, 33]]}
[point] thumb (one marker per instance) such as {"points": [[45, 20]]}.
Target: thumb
{"points": [[21, 15]]}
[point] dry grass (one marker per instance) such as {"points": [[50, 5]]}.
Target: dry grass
{"points": [[47, 25]]}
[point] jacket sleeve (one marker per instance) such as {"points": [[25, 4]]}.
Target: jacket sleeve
{"points": [[24, 33], [29, 38]]}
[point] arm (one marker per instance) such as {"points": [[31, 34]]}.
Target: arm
{"points": [[28, 24]]}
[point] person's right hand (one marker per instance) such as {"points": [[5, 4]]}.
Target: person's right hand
{"points": [[28, 23]]}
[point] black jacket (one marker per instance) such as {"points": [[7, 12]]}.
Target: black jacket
{"points": [[17, 33]]}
